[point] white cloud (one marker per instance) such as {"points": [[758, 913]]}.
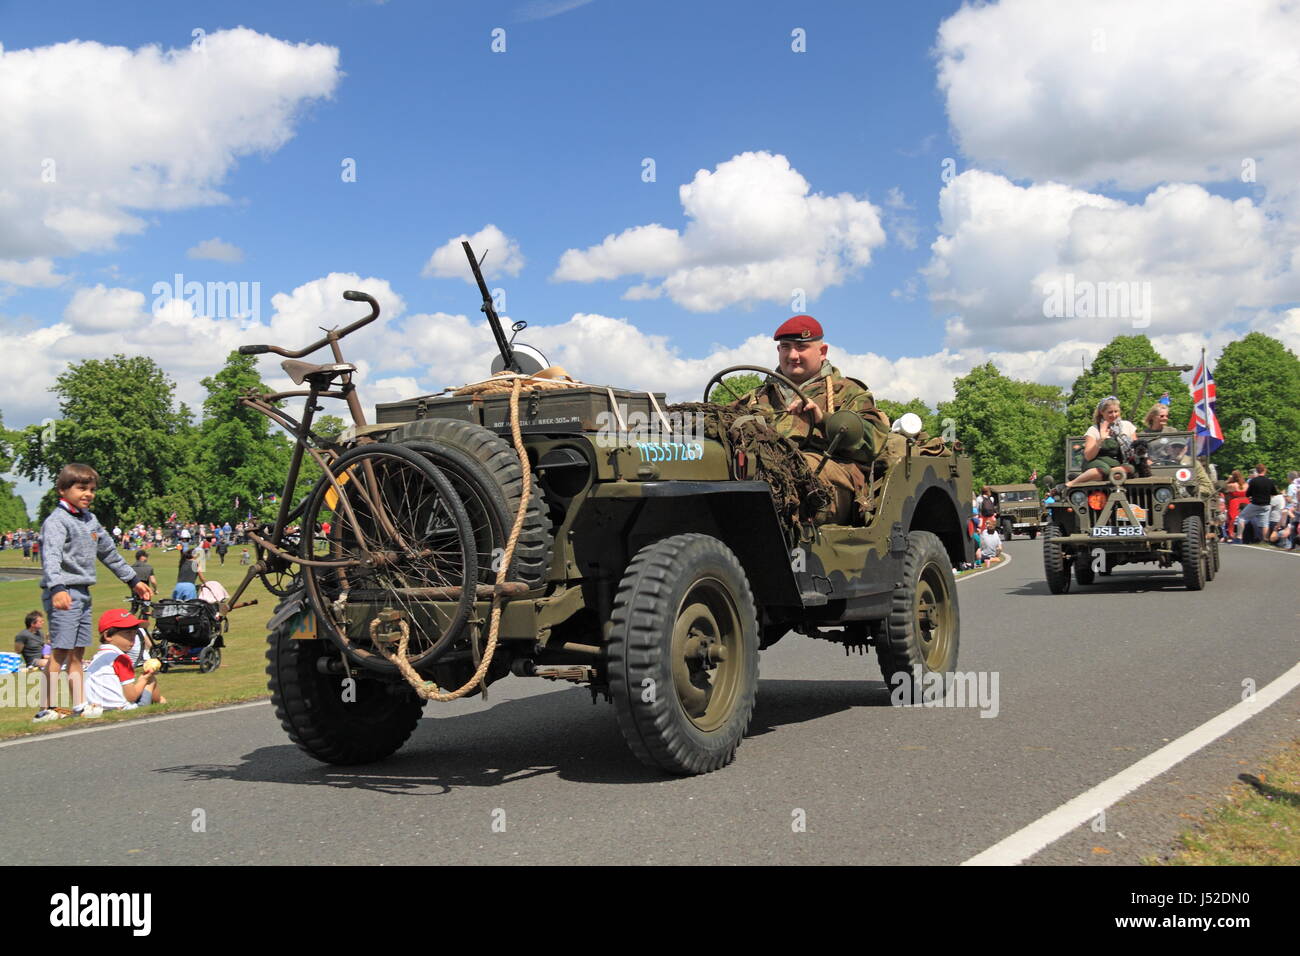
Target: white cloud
{"points": [[755, 232], [449, 262], [34, 273], [92, 131], [646, 290], [1091, 91], [1003, 250], [216, 249], [100, 321]]}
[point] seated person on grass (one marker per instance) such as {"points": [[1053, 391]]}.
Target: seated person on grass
{"points": [[111, 681]]}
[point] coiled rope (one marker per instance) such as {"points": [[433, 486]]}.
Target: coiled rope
{"points": [[427, 689]]}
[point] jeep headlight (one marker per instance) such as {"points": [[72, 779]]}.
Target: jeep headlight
{"points": [[1164, 496], [1079, 499]]}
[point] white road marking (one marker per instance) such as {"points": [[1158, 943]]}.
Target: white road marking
{"points": [[1046, 830], [1238, 548], [1006, 559], [81, 722]]}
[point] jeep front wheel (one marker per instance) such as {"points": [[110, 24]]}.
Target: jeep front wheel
{"points": [[683, 654], [1191, 554], [1055, 566], [923, 630]]}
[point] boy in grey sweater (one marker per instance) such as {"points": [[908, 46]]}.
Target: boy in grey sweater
{"points": [[72, 539]]}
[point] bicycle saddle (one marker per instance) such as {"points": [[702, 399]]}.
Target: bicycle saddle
{"points": [[300, 372]]}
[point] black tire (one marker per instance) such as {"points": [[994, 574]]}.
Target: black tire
{"points": [[314, 714], [417, 536], [209, 659], [1083, 571], [485, 472], [1214, 552], [1191, 554], [923, 631], [1055, 566], [1008, 529], [1033, 534], [673, 592]]}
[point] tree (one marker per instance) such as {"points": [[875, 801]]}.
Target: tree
{"points": [[1095, 384], [13, 511], [239, 459], [1258, 384], [117, 417], [735, 385], [1008, 427]]}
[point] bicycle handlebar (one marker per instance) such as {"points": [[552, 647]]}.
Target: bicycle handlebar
{"points": [[352, 296]]}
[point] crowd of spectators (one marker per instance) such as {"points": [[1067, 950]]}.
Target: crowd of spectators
{"points": [[1258, 511]]}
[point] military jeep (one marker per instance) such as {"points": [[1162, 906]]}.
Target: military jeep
{"points": [[653, 561], [1020, 510], [1161, 519]]}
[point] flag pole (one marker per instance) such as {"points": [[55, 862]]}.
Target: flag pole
{"points": [[1205, 401]]}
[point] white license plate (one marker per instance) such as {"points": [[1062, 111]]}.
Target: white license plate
{"points": [[1123, 531]]}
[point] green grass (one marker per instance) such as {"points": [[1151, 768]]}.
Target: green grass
{"points": [[1258, 824], [241, 676]]}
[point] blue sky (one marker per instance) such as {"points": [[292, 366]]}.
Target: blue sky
{"points": [[1075, 145]]}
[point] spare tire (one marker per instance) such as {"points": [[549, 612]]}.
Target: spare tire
{"points": [[485, 472]]}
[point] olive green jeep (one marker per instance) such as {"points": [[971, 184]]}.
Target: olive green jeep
{"points": [[593, 535], [1020, 510], [1161, 519]]}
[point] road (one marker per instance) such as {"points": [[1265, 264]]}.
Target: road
{"points": [[1087, 684]]}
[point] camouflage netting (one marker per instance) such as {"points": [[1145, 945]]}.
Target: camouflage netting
{"points": [[798, 495]]}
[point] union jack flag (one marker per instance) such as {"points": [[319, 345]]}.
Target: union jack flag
{"points": [[1205, 419]]}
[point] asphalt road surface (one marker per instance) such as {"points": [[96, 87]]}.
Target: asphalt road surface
{"points": [[1087, 684]]}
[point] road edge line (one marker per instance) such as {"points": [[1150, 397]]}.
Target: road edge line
{"points": [[138, 722], [1049, 828]]}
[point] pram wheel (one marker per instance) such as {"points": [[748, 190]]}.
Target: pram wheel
{"points": [[209, 659]]}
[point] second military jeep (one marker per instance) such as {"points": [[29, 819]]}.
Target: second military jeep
{"points": [[1161, 519]]}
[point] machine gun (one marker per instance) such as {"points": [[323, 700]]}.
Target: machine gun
{"points": [[488, 309]]}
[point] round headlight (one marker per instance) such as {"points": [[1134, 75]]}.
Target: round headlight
{"points": [[1079, 499], [1164, 495]]}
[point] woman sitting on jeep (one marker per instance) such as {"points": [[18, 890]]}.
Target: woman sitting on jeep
{"points": [[1106, 444]]}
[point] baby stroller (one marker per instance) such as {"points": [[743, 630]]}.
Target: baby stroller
{"points": [[191, 632]]}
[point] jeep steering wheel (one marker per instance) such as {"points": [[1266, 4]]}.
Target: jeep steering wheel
{"points": [[717, 379]]}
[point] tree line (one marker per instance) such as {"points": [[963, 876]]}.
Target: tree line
{"points": [[120, 415]]}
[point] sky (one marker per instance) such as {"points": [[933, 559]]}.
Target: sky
{"points": [[656, 186]]}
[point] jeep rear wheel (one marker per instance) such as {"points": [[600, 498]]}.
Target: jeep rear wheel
{"points": [[1055, 566], [1191, 554], [923, 630], [683, 654], [328, 719]]}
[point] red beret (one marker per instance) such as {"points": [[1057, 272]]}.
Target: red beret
{"points": [[801, 328]]}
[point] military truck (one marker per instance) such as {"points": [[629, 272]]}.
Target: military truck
{"points": [[1161, 519], [651, 568], [1020, 510]]}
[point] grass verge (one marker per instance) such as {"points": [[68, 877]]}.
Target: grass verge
{"points": [[241, 676], [1258, 824]]}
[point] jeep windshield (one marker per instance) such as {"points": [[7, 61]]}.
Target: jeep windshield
{"points": [[1019, 496], [1170, 448]]}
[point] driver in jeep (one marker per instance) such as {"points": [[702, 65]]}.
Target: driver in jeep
{"points": [[801, 357]]}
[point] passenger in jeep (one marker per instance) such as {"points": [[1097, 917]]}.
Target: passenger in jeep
{"points": [[1106, 443]]}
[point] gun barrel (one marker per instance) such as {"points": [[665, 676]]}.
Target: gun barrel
{"points": [[503, 344]]}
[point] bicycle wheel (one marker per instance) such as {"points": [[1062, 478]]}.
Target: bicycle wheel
{"points": [[393, 537]]}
